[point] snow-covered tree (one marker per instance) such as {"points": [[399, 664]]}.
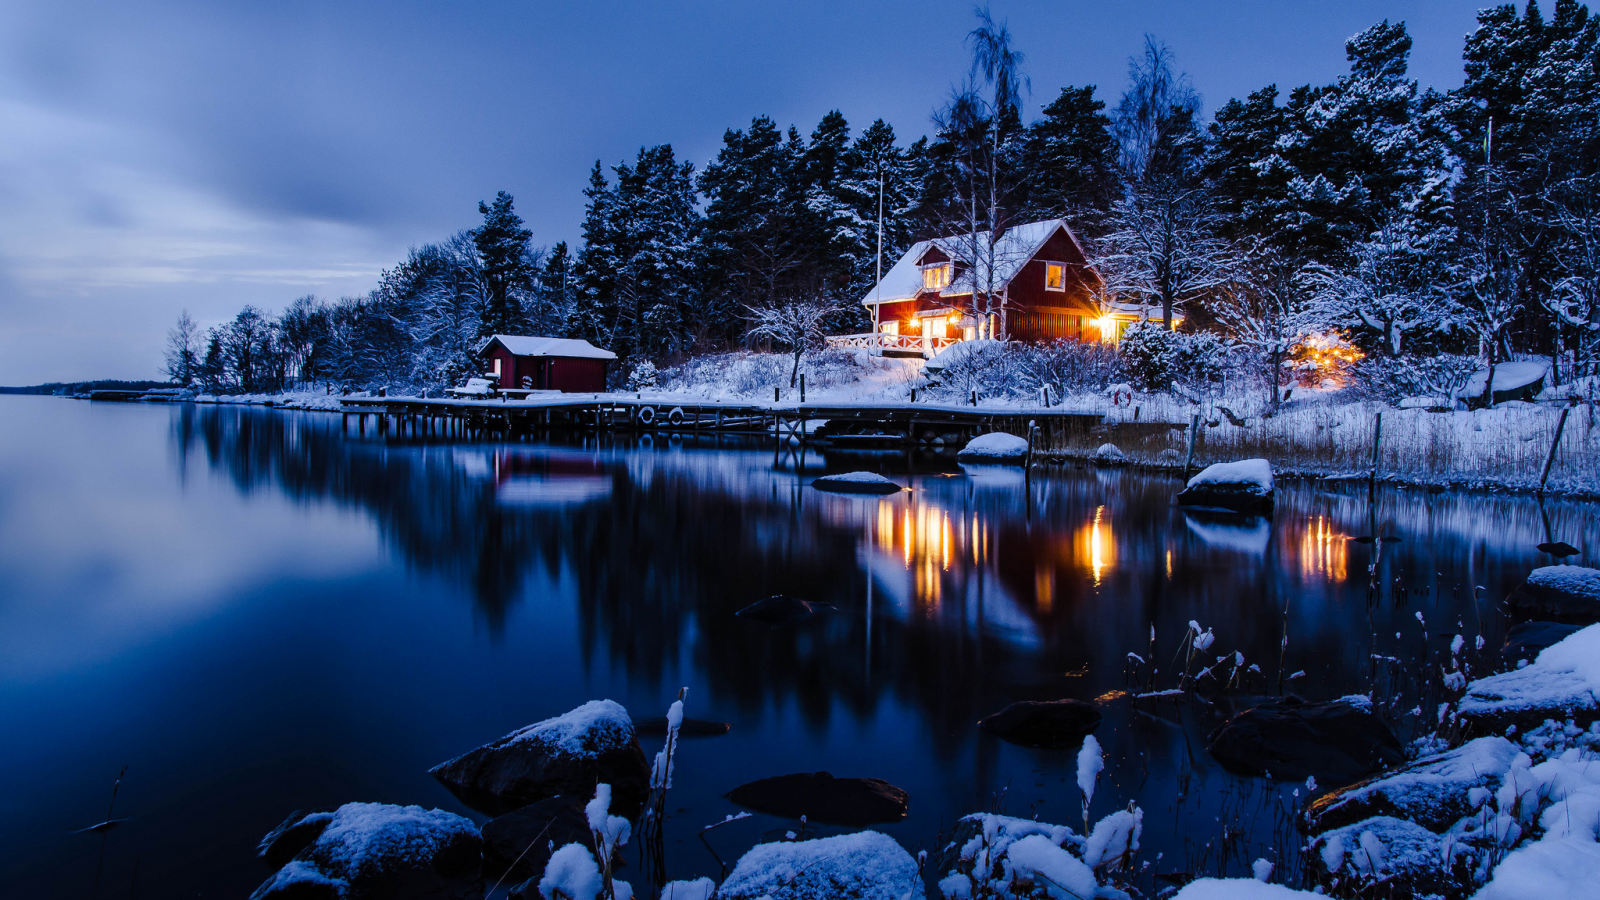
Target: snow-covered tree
{"points": [[1575, 301], [506, 264], [797, 323], [1397, 283]]}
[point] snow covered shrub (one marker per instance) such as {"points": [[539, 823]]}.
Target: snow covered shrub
{"points": [[643, 377], [1068, 367], [990, 368], [1155, 359], [1392, 379]]}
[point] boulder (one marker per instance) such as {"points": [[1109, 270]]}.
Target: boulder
{"points": [[568, 754], [820, 797], [861, 866], [1244, 486], [293, 835], [1563, 683], [519, 841], [1526, 640], [1559, 593], [996, 446], [781, 610], [689, 728], [377, 851], [856, 483], [1049, 723], [1558, 549], [1336, 742], [1431, 792], [1402, 855]]}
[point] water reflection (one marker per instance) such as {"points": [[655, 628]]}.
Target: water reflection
{"points": [[975, 588]]}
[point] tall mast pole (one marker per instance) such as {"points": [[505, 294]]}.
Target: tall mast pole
{"points": [[877, 308]]}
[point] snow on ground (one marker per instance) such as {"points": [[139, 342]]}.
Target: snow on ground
{"points": [[1237, 889], [285, 400]]}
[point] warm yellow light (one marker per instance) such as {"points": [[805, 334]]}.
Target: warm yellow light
{"points": [[954, 318]]}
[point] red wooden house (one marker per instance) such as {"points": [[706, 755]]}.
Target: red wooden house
{"points": [[1045, 285], [544, 364]]}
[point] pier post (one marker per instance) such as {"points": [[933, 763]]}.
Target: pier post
{"points": [[1194, 432], [1550, 460]]}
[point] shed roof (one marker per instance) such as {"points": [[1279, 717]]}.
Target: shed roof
{"points": [[528, 345], [1015, 248]]}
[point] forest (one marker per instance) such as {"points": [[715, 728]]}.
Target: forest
{"points": [[1423, 230]]}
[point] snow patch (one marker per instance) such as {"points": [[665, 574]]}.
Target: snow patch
{"points": [[594, 728], [866, 865]]}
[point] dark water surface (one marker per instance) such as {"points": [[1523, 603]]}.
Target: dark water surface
{"points": [[255, 613]]}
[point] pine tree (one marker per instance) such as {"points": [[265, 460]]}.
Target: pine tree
{"points": [[1070, 161], [503, 251]]}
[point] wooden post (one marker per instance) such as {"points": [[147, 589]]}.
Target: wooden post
{"points": [[1550, 460], [1194, 432], [1377, 432], [802, 387], [776, 394]]}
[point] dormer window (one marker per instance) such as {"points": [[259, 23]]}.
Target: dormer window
{"points": [[1055, 276], [936, 277]]}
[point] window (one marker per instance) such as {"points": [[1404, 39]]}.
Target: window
{"points": [[889, 327], [936, 277], [1055, 276], [497, 367]]}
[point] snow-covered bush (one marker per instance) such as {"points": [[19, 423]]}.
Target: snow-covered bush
{"points": [[1155, 358], [1069, 367], [644, 376], [1390, 378]]}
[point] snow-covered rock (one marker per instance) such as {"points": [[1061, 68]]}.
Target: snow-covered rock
{"points": [[957, 352], [1433, 792], [1526, 640], [866, 865], [1336, 742], [1517, 380], [1560, 593], [1244, 486], [1238, 889], [994, 446], [519, 841], [1564, 682], [377, 851], [856, 483], [1403, 855], [1109, 453], [568, 754]]}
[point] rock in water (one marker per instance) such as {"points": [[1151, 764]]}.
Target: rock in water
{"points": [[781, 610], [1562, 593], [820, 797], [1402, 857], [690, 728], [861, 866], [994, 447], [856, 483], [1432, 792], [1562, 683], [519, 841], [1336, 742], [293, 835], [568, 754], [376, 851], [1526, 640], [1051, 723], [1558, 549], [1244, 486]]}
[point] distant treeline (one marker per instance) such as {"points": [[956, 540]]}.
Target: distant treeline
{"points": [[1412, 221], [84, 387]]}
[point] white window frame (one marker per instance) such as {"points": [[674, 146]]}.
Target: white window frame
{"points": [[1063, 288], [946, 275]]}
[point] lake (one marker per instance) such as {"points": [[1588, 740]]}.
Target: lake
{"points": [[255, 613]]}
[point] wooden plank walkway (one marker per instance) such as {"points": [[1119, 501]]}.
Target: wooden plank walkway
{"points": [[846, 422]]}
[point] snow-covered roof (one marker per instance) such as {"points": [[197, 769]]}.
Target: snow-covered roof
{"points": [[527, 345], [1015, 248]]}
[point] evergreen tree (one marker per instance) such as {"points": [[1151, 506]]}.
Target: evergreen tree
{"points": [[553, 304], [1070, 161], [503, 251], [876, 195]]}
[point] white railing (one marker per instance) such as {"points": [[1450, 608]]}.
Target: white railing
{"points": [[881, 341]]}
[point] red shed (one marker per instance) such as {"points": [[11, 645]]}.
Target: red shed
{"points": [[544, 363]]}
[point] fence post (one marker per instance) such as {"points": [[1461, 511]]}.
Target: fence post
{"points": [[1550, 460], [1377, 431], [1194, 432], [802, 387]]}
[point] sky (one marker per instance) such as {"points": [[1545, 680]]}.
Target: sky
{"points": [[168, 155]]}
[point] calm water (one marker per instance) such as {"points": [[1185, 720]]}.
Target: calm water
{"points": [[255, 613]]}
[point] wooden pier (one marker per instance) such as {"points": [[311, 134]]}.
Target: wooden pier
{"points": [[843, 424]]}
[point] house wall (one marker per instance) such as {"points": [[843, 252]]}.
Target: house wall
{"points": [[577, 376], [508, 365], [560, 373]]}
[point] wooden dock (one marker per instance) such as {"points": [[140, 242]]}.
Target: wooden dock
{"points": [[865, 424]]}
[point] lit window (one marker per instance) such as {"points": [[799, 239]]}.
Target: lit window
{"points": [[889, 327], [935, 277], [497, 366], [936, 328], [1055, 276]]}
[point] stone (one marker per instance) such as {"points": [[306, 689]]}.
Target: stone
{"points": [[781, 610], [568, 754], [1563, 682], [1048, 723], [1524, 641], [378, 851], [1432, 792], [1336, 742], [856, 483], [519, 841], [820, 797], [1568, 594], [1558, 549], [293, 834], [1385, 857], [861, 866], [1243, 487]]}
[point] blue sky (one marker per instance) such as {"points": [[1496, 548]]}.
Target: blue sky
{"points": [[165, 155]]}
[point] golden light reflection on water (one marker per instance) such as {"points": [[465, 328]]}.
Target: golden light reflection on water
{"points": [[1098, 545], [1324, 550]]}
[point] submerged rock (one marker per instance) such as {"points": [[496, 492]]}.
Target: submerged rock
{"points": [[861, 866], [294, 834], [1336, 742], [1245, 486], [1432, 792], [1050, 723], [519, 841], [568, 754], [1561, 593], [377, 851], [1561, 684], [820, 797], [1558, 549], [1525, 641], [856, 483], [781, 610]]}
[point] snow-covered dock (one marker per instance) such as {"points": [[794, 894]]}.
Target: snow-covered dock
{"points": [[847, 422]]}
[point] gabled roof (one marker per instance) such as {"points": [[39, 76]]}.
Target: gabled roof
{"points": [[526, 345], [1015, 249]]}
